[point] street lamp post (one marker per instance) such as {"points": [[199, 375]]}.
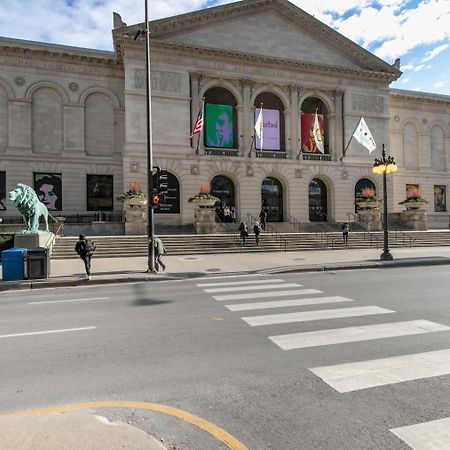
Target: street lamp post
{"points": [[150, 206], [385, 166]]}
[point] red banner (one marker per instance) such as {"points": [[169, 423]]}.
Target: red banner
{"points": [[307, 127]]}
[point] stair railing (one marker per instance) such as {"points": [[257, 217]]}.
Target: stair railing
{"points": [[279, 239]]}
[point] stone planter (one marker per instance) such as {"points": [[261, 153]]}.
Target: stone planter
{"points": [[414, 206], [368, 205], [205, 216], [135, 216], [370, 219], [415, 219], [204, 203]]}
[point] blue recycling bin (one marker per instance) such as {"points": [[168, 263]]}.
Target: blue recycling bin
{"points": [[13, 263]]}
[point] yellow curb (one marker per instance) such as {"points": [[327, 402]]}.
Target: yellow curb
{"points": [[203, 424]]}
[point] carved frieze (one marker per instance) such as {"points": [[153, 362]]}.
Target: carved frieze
{"points": [[367, 103], [168, 82]]}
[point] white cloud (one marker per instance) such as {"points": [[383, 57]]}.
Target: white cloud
{"points": [[417, 88], [439, 84], [432, 53], [404, 80]]}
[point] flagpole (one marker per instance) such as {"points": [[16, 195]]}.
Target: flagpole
{"points": [[345, 149], [262, 128]]}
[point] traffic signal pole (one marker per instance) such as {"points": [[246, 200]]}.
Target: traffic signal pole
{"points": [[150, 211]]}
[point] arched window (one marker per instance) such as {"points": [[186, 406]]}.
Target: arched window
{"points": [[170, 202], [363, 188], [309, 108], [99, 124], [272, 199], [221, 122], [317, 201], [46, 120], [223, 188], [437, 149], [273, 122]]}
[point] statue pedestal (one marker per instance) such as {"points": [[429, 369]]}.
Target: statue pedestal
{"points": [[33, 240], [205, 220], [415, 219], [135, 216], [370, 219]]}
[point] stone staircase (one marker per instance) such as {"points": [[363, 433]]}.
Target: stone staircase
{"points": [[191, 244]]}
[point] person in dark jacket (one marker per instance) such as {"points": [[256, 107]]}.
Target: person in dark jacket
{"points": [[257, 231], [263, 218], [345, 231], [85, 249], [243, 229]]}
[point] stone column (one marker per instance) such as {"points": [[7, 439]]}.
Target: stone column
{"points": [[295, 145], [248, 114], [240, 136], [195, 103], [287, 132], [331, 133], [338, 145]]}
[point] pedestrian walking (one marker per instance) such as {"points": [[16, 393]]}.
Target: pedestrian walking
{"points": [[244, 231], [85, 248], [345, 231], [233, 214], [263, 218], [159, 251], [257, 231], [226, 214]]}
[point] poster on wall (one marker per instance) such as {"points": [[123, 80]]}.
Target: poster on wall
{"points": [[99, 192], [271, 129], [307, 128], [440, 201], [2, 191], [219, 126], [48, 187]]}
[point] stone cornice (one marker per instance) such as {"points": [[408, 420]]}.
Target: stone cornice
{"points": [[163, 28], [288, 65], [419, 97], [59, 60]]}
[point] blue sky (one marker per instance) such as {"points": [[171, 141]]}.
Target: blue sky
{"points": [[417, 32]]}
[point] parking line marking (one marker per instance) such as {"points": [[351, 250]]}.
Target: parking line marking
{"points": [[69, 301], [34, 333]]}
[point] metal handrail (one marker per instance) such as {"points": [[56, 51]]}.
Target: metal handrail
{"points": [[279, 239]]}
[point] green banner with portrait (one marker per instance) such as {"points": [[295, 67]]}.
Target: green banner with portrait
{"points": [[219, 126]]}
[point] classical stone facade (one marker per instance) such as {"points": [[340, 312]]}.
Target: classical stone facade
{"points": [[81, 113]]}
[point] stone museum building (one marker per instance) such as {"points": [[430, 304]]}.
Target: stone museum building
{"points": [[73, 121]]}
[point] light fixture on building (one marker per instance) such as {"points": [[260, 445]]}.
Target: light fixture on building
{"points": [[385, 166], [134, 166]]}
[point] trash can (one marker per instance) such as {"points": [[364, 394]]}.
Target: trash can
{"points": [[13, 263], [37, 263]]}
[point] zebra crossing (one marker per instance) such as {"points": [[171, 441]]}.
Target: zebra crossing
{"points": [[266, 293]]}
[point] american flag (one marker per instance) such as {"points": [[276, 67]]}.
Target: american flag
{"points": [[198, 126]]}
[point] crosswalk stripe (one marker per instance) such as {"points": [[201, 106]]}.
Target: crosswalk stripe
{"points": [[356, 334], [287, 303], [253, 288], [238, 283], [322, 314], [221, 298], [434, 435], [379, 372]]}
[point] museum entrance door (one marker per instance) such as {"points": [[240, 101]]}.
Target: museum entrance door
{"points": [[272, 199], [317, 201]]}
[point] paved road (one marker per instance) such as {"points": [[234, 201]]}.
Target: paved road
{"points": [[345, 360]]}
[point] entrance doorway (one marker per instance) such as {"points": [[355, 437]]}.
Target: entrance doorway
{"points": [[317, 201], [272, 199]]}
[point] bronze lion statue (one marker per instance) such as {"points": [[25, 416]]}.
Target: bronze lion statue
{"points": [[26, 201]]}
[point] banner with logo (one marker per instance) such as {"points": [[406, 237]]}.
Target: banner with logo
{"points": [[307, 129], [271, 129]]}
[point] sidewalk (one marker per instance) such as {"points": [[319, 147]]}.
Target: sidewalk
{"points": [[69, 272]]}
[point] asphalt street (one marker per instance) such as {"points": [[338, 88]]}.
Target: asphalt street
{"points": [[334, 360]]}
